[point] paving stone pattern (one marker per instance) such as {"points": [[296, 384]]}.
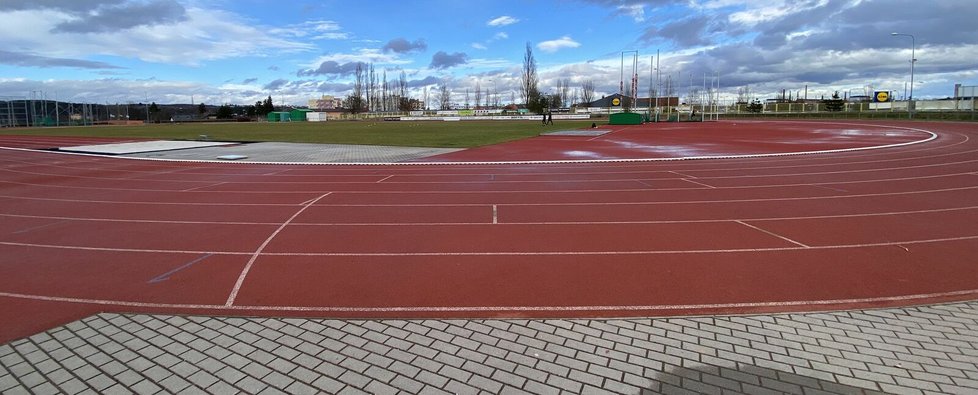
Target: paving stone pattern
{"points": [[930, 349]]}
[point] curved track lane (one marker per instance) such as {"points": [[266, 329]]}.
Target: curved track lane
{"points": [[852, 229]]}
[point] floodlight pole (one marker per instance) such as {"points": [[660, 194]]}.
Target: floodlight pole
{"points": [[621, 81], [913, 59]]}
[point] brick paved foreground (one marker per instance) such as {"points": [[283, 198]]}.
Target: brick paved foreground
{"points": [[929, 349]]}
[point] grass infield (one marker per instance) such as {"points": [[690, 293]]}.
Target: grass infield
{"points": [[437, 134]]}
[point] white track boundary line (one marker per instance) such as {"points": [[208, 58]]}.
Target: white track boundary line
{"points": [[933, 136], [501, 253], [257, 253], [773, 234], [691, 221], [435, 191], [624, 179], [439, 309], [699, 183]]}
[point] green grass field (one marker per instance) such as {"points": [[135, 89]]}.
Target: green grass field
{"points": [[437, 134]]}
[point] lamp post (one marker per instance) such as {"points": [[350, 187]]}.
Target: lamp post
{"points": [[913, 59]]}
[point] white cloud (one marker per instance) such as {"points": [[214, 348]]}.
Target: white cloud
{"points": [[500, 36], [502, 21], [636, 11], [366, 55], [313, 30], [204, 35], [558, 44], [479, 46]]}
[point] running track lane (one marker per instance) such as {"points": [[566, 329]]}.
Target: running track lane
{"points": [[882, 227]]}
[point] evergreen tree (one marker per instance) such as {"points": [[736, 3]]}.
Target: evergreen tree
{"points": [[834, 104]]}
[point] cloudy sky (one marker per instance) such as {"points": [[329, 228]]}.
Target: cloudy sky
{"points": [[240, 51]]}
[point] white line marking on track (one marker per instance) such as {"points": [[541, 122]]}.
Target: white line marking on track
{"points": [[772, 234], [933, 136], [203, 186], [504, 253], [152, 221], [166, 276], [436, 309], [681, 174], [829, 188], [495, 214], [254, 257], [33, 228], [699, 183], [385, 179]]}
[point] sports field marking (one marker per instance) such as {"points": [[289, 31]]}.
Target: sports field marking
{"points": [[699, 183], [773, 234], [517, 182], [254, 257], [691, 221], [933, 136], [495, 214], [503, 253], [166, 276], [384, 179], [38, 227], [204, 186], [829, 188], [683, 175], [436, 309], [851, 196]]}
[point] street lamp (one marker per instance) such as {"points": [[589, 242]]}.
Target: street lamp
{"points": [[913, 59]]}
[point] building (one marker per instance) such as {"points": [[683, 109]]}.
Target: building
{"points": [[326, 103]]}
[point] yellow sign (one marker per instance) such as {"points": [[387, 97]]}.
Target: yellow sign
{"points": [[615, 102], [882, 96]]}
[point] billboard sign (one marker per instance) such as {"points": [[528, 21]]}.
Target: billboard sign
{"points": [[881, 97]]}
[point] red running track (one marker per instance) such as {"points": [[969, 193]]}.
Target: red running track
{"points": [[853, 229]]}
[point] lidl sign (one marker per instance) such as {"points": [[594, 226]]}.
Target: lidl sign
{"points": [[615, 102], [881, 97]]}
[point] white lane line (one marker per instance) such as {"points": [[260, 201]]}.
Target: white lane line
{"points": [[829, 188], [203, 186], [384, 179], [684, 175], [687, 221], [699, 183], [254, 256], [503, 253], [435, 309], [933, 136], [458, 192], [166, 276], [495, 214], [38, 227], [773, 234]]}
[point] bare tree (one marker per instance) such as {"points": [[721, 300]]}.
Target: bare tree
{"points": [[565, 92], [383, 91], [743, 94], [587, 92], [371, 89], [403, 102], [445, 98], [478, 95], [355, 101], [528, 78]]}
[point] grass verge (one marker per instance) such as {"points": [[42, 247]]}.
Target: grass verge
{"points": [[439, 134]]}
